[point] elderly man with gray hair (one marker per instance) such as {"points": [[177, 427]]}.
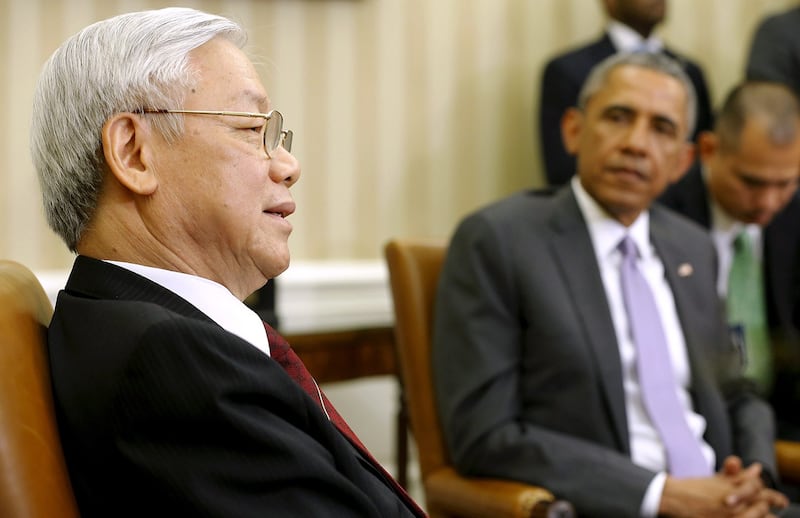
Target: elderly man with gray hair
{"points": [[165, 167]]}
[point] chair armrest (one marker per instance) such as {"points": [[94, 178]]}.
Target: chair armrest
{"points": [[450, 494], [787, 454]]}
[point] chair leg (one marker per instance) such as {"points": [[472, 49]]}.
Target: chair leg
{"points": [[401, 431]]}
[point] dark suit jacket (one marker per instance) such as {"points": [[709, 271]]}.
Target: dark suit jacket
{"points": [[775, 50], [526, 363], [561, 82], [163, 412], [781, 264]]}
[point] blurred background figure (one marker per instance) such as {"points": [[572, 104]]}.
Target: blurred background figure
{"points": [[745, 194], [630, 28], [775, 51], [579, 341]]}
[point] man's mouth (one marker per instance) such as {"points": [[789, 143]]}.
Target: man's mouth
{"points": [[281, 210], [628, 171]]}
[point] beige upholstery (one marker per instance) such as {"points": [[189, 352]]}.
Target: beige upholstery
{"points": [[414, 268], [33, 476]]}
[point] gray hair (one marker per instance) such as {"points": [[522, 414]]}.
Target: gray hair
{"points": [[122, 64], [649, 60], [773, 103]]}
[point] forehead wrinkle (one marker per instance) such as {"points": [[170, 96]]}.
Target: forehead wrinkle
{"points": [[249, 100], [258, 98], [622, 87]]}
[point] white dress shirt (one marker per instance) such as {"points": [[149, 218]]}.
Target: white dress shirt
{"points": [[647, 450], [626, 39], [212, 299], [724, 230]]}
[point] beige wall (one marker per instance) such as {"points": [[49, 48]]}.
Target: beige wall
{"points": [[407, 113]]}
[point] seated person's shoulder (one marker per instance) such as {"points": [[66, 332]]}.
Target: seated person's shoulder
{"points": [[680, 225], [124, 332], [528, 202], [520, 216]]}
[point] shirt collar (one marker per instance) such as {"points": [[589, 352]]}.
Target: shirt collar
{"points": [[626, 39], [723, 223], [210, 297], [605, 231]]}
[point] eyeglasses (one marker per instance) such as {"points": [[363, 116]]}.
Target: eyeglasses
{"points": [[273, 133]]}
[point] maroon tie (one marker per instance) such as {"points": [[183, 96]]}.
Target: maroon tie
{"points": [[281, 352]]}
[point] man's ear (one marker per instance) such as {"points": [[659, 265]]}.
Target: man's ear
{"points": [[126, 149], [707, 145], [571, 126]]}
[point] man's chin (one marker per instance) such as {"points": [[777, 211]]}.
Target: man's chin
{"points": [[276, 264], [761, 220]]}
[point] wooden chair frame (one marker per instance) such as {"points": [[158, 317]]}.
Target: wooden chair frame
{"points": [[414, 268]]}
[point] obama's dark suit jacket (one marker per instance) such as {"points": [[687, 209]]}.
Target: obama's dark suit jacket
{"points": [[526, 363]]}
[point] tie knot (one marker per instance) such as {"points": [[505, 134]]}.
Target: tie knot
{"points": [[627, 247], [742, 241]]}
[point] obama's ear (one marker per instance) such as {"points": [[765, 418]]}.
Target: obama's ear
{"points": [[571, 127]]}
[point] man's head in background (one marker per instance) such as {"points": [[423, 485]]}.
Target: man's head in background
{"points": [[752, 158], [630, 131]]}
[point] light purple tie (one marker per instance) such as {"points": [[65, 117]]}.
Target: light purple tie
{"points": [[656, 379]]}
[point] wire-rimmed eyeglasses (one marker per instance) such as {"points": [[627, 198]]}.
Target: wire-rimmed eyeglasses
{"points": [[273, 134]]}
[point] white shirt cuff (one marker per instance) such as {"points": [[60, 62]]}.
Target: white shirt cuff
{"points": [[652, 497]]}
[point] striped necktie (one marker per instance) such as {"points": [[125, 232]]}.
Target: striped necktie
{"points": [[281, 352], [746, 311], [656, 378]]}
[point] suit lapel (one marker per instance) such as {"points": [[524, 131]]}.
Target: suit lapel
{"points": [[603, 48], [574, 253], [670, 251]]}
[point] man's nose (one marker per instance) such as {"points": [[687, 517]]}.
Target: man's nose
{"points": [[636, 136], [769, 199], [284, 167]]}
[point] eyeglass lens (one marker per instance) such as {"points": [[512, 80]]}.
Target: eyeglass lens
{"points": [[272, 132], [287, 140]]}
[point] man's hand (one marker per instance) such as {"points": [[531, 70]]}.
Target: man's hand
{"points": [[749, 486], [733, 492]]}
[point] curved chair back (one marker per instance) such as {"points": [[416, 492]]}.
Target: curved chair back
{"points": [[33, 476], [414, 268], [414, 273]]}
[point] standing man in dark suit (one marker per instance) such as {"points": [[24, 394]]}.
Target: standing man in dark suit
{"points": [[165, 167], [775, 50], [630, 28], [745, 194], [570, 323]]}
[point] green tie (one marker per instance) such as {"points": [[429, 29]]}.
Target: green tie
{"points": [[746, 309]]}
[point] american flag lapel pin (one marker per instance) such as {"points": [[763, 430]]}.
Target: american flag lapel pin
{"points": [[685, 270]]}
